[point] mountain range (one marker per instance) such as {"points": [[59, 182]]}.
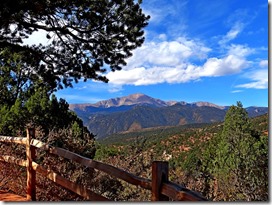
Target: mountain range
{"points": [[138, 111]]}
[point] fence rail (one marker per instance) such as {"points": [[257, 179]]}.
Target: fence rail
{"points": [[161, 188]]}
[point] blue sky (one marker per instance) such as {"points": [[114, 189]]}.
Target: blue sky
{"points": [[195, 50]]}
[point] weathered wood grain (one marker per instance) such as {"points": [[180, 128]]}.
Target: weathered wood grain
{"points": [[31, 173], [159, 176], [18, 140], [180, 193]]}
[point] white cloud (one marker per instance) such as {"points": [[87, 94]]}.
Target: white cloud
{"points": [[240, 50], [259, 80], [170, 62], [255, 85], [263, 63], [163, 37], [113, 88], [167, 53], [232, 34], [236, 91], [230, 64]]}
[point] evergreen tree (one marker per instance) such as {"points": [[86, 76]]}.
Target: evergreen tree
{"points": [[85, 37], [17, 78], [237, 158]]}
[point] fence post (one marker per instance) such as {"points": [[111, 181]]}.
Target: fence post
{"points": [[159, 175], [31, 173]]}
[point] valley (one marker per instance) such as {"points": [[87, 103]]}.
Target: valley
{"points": [[209, 148], [189, 149]]}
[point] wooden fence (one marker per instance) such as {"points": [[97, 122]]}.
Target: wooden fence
{"points": [[161, 188]]}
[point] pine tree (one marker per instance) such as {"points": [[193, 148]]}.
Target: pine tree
{"points": [[237, 158], [85, 37]]}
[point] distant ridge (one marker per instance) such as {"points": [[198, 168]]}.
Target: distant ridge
{"points": [[139, 99], [134, 99], [140, 111]]}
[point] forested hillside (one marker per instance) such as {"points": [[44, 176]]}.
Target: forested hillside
{"points": [[195, 155], [139, 111]]}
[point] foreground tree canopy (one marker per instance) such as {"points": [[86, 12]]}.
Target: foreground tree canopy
{"points": [[85, 37]]}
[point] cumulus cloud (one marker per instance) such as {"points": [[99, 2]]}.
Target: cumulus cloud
{"points": [[171, 62], [230, 64], [167, 53]]}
